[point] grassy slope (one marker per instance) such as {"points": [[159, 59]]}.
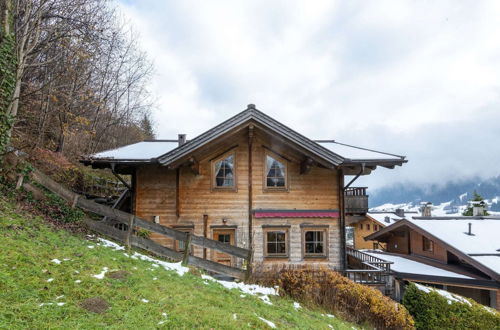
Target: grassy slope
{"points": [[28, 245]]}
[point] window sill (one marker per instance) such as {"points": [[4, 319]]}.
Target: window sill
{"points": [[315, 257], [266, 190], [276, 257]]}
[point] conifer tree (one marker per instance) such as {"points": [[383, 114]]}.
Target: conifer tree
{"points": [[476, 200]]}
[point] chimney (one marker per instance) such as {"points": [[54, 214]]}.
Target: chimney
{"points": [[181, 139], [400, 213], [426, 209], [470, 230], [387, 219], [478, 209]]}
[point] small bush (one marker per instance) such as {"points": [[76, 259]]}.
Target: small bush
{"points": [[58, 209], [433, 311], [332, 291]]}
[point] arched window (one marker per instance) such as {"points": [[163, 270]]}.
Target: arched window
{"points": [[223, 170], [275, 173]]}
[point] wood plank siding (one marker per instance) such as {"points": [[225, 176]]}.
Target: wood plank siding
{"points": [[202, 208]]}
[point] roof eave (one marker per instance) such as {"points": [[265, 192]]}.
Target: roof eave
{"points": [[241, 119]]}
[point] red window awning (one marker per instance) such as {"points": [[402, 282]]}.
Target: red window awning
{"points": [[296, 213]]}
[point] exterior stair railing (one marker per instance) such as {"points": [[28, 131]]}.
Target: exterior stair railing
{"points": [[371, 270]]}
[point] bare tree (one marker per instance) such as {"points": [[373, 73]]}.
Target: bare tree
{"points": [[79, 76]]}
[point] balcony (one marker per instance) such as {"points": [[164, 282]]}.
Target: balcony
{"points": [[356, 200]]}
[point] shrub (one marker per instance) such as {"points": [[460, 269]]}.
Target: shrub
{"points": [[332, 291], [431, 310], [58, 209]]}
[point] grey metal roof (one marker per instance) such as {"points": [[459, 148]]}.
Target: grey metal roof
{"points": [[243, 117], [328, 152]]}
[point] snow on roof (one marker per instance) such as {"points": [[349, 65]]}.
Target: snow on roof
{"points": [[454, 232], [380, 217], [356, 153], [144, 150], [404, 265], [492, 262]]}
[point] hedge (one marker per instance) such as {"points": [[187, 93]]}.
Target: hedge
{"points": [[332, 291], [438, 309]]}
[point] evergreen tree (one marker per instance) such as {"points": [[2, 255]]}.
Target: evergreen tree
{"points": [[147, 128], [476, 200]]}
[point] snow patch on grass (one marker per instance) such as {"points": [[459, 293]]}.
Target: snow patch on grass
{"points": [[252, 289], [269, 323], [109, 244], [100, 276]]}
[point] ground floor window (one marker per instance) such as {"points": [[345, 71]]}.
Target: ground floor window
{"points": [[314, 241], [181, 245], [276, 242]]}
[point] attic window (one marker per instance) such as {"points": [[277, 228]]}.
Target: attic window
{"points": [[427, 244], [275, 174], [223, 172]]}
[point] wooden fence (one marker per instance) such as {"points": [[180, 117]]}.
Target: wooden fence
{"points": [[131, 221]]}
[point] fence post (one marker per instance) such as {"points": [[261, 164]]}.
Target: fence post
{"points": [[19, 181], [130, 230], [187, 247], [75, 201], [248, 272]]}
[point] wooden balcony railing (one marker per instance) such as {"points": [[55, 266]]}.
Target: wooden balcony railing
{"points": [[369, 260], [356, 200]]}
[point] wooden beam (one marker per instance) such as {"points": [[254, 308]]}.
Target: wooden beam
{"points": [[306, 165]]}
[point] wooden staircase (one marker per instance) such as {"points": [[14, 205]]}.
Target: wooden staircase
{"points": [[369, 270]]}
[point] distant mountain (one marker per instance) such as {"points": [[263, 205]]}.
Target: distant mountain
{"points": [[450, 197]]}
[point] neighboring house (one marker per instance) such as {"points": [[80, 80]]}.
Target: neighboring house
{"points": [[458, 254], [371, 223], [251, 182]]}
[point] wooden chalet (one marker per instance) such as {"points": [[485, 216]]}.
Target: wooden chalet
{"points": [[251, 182], [372, 222], [458, 254]]}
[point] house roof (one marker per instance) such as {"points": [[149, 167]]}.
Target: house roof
{"points": [[140, 151], [400, 264], [331, 154], [350, 152], [380, 217], [481, 249]]}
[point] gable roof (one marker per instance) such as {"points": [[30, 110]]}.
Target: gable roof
{"points": [[327, 152], [138, 152], [380, 218], [452, 232]]}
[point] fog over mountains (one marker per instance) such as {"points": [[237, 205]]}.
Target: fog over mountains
{"points": [[453, 195]]}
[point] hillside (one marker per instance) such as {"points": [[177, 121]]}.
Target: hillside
{"points": [[51, 278], [450, 197]]}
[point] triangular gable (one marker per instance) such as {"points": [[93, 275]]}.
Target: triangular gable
{"points": [[244, 117]]}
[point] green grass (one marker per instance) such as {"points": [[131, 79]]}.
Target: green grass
{"points": [[28, 245]]}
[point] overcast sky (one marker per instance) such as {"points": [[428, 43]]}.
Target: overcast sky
{"points": [[416, 78]]}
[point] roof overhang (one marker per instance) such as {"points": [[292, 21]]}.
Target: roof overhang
{"points": [[454, 281], [241, 121], [253, 117], [381, 236]]}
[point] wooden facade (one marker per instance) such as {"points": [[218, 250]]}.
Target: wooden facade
{"points": [[283, 199], [182, 199], [362, 229], [405, 239]]}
